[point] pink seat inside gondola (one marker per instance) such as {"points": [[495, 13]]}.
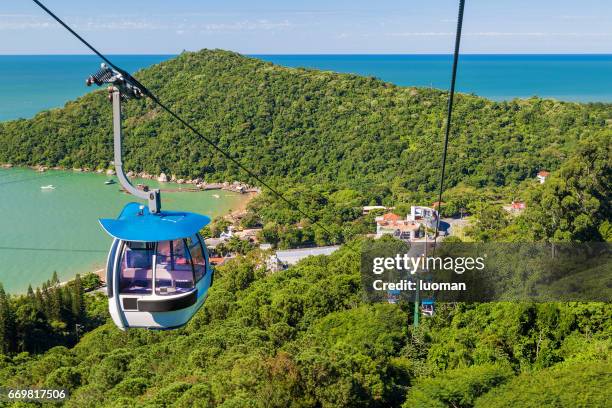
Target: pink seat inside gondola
{"points": [[136, 280], [178, 264]]}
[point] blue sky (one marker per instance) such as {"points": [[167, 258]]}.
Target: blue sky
{"points": [[307, 27]]}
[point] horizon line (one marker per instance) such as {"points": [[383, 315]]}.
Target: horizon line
{"points": [[316, 54]]}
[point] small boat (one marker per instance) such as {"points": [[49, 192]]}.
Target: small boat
{"points": [[109, 182], [49, 187], [216, 195]]}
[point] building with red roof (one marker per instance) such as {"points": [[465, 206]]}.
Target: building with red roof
{"points": [[542, 176]]}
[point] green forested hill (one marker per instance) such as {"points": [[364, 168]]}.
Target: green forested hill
{"points": [[306, 125]]}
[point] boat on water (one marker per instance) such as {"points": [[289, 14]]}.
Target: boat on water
{"points": [[216, 195], [49, 187], [109, 182]]}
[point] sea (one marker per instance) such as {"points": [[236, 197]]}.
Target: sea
{"points": [[31, 83], [56, 229], [47, 230]]}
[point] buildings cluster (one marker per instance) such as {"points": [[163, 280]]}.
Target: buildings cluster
{"points": [[412, 227]]}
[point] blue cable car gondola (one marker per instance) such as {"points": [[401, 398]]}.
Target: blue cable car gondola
{"points": [[427, 307], [158, 272]]}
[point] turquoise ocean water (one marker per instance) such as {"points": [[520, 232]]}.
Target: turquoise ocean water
{"points": [[29, 84], [581, 78], [46, 230]]}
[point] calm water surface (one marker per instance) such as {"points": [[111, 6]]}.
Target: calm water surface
{"points": [[42, 231], [579, 78], [31, 83]]}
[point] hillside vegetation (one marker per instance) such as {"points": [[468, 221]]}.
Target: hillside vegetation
{"points": [[305, 338]]}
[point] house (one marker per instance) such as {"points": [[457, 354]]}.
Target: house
{"points": [[515, 207], [248, 234], [542, 176], [393, 224], [217, 260], [212, 243], [369, 208], [284, 258], [225, 235], [423, 215], [273, 264], [293, 256]]}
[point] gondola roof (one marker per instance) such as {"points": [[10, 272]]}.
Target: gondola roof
{"points": [[136, 223]]}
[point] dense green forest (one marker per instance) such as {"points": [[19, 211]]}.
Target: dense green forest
{"points": [[54, 314], [305, 337], [574, 205]]}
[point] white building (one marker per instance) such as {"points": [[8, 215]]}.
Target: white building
{"points": [[369, 208], [282, 259], [423, 215], [393, 224], [225, 235], [542, 176]]}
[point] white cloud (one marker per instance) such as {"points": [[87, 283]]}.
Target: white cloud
{"points": [[24, 22], [32, 22], [506, 34], [26, 25], [498, 34], [246, 25], [179, 25], [576, 18], [421, 34], [95, 25], [535, 34]]}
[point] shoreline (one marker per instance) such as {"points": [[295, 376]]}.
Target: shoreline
{"points": [[242, 207], [198, 184]]}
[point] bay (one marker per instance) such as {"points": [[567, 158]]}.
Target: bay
{"points": [[47, 230]]}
